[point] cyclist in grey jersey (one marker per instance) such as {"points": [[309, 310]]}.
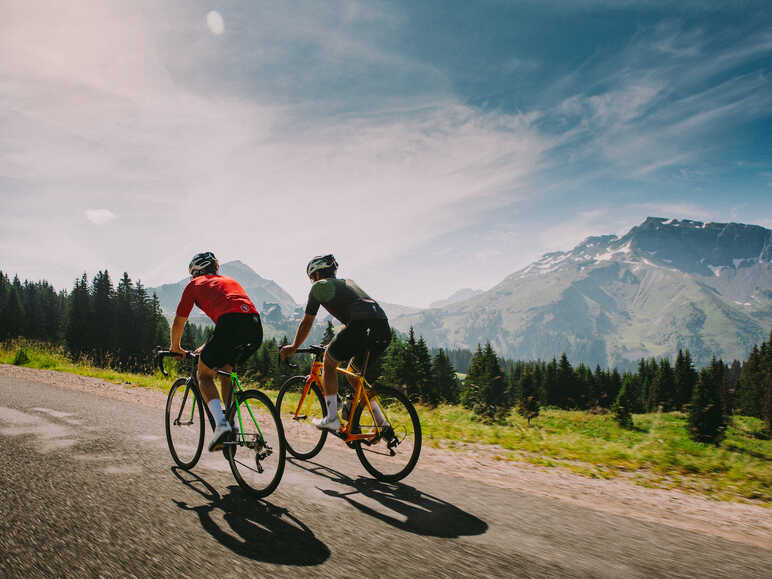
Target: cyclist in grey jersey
{"points": [[366, 329], [344, 299]]}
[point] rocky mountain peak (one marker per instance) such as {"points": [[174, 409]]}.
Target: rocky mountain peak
{"points": [[697, 247]]}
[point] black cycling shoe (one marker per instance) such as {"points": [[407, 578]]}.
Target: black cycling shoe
{"points": [[387, 434]]}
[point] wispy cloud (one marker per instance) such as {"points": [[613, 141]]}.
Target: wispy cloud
{"points": [[654, 112], [100, 216], [186, 166]]}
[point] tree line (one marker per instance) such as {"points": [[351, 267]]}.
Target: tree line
{"points": [[115, 326], [493, 386], [120, 325]]}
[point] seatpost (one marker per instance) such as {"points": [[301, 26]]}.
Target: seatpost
{"points": [[364, 366]]}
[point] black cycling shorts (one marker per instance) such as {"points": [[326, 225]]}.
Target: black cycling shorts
{"points": [[358, 338], [232, 333]]}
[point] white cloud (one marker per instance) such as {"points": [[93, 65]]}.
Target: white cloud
{"points": [[100, 216], [662, 99], [215, 22], [247, 176]]}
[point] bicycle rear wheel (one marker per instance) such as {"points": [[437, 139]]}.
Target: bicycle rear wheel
{"points": [[184, 423], [258, 452], [304, 440], [393, 454]]}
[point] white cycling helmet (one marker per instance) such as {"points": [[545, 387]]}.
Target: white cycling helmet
{"points": [[321, 262], [202, 264]]}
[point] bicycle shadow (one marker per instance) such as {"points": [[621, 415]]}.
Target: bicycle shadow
{"points": [[421, 513], [261, 530]]}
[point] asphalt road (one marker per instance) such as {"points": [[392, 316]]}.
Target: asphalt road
{"points": [[87, 488]]}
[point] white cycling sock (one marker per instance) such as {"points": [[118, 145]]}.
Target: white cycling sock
{"points": [[215, 407], [332, 406], [380, 419]]}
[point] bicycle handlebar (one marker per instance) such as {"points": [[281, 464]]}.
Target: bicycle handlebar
{"points": [[161, 354], [314, 349]]}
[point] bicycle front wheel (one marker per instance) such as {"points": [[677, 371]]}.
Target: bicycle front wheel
{"points": [[304, 440], [184, 422], [393, 452], [257, 452]]}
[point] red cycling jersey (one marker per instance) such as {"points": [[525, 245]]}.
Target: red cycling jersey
{"points": [[215, 295]]}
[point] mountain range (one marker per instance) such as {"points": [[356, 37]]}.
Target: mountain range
{"points": [[260, 290], [664, 285]]}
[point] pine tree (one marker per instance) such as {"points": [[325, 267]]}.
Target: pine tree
{"points": [[391, 367], [662, 392], [329, 334], [79, 315], [528, 403], [14, 311], [485, 386], [750, 391], [583, 386], [615, 385], [425, 384], [102, 317], [626, 400], [549, 383], [685, 378], [707, 422], [446, 382], [565, 384]]}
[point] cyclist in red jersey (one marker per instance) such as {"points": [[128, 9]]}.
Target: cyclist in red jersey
{"points": [[237, 325]]}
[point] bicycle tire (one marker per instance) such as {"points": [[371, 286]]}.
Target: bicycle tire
{"points": [[304, 440], [185, 438], [258, 454], [378, 457]]}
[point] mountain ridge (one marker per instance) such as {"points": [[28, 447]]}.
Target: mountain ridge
{"points": [[664, 285], [259, 289]]}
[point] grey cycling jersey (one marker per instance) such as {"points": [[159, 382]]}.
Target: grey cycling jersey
{"points": [[344, 299]]}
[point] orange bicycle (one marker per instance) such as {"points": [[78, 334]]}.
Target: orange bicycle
{"points": [[388, 448]]}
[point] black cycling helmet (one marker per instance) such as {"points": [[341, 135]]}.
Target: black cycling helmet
{"points": [[202, 264], [321, 263]]}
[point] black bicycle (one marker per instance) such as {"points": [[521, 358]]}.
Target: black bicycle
{"points": [[257, 450]]}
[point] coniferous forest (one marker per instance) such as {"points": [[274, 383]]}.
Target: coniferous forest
{"points": [[118, 325]]}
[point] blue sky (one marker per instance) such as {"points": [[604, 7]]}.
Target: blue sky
{"points": [[430, 145]]}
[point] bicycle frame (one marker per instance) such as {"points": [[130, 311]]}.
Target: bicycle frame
{"points": [[360, 394], [235, 388]]}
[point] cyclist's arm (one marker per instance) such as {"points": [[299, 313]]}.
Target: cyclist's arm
{"points": [[176, 334]]}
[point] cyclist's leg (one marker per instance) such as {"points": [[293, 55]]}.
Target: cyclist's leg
{"points": [[206, 384], [329, 375], [376, 341], [330, 385], [226, 388], [345, 345], [243, 330], [216, 354]]}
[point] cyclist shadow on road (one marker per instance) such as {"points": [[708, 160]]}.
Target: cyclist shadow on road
{"points": [[421, 513], [260, 530]]}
